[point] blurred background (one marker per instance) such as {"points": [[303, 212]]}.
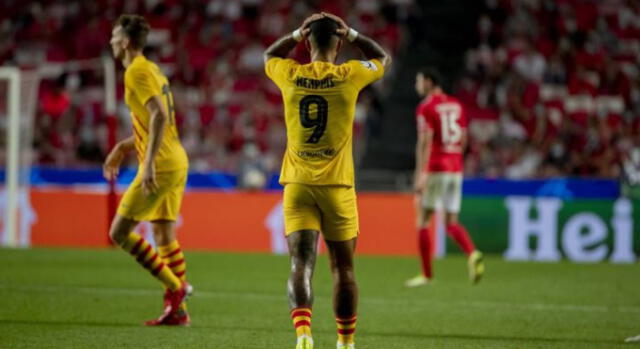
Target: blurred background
{"points": [[552, 174], [552, 89], [228, 112]]}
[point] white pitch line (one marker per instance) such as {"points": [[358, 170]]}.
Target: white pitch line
{"points": [[370, 300]]}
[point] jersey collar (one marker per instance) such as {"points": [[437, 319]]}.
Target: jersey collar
{"points": [[431, 96], [138, 58]]}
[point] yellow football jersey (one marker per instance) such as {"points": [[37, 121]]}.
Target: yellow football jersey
{"points": [[143, 80], [319, 106]]}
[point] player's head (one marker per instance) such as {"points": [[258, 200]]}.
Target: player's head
{"points": [[323, 37], [427, 80], [129, 33]]}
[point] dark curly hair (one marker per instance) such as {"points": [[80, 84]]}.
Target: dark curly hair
{"points": [[322, 31], [431, 73]]}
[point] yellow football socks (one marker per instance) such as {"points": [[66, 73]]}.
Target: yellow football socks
{"points": [[173, 257], [138, 247], [302, 321], [346, 330]]}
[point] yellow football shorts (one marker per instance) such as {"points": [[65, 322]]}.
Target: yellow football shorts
{"points": [[162, 205], [331, 210]]}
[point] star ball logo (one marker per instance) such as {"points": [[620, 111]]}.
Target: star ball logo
{"points": [[369, 65]]}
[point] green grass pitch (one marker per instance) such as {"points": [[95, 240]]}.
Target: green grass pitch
{"points": [[98, 299]]}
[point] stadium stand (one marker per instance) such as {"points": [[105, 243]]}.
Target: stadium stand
{"points": [[212, 52], [552, 87]]}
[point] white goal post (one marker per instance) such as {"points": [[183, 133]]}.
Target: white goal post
{"points": [[22, 101], [12, 75]]}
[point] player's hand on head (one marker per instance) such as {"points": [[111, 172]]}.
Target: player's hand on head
{"points": [[304, 28], [343, 30]]}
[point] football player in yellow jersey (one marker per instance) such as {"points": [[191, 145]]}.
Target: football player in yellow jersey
{"points": [[156, 192], [317, 170]]}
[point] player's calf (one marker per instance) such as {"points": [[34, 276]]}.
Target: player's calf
{"points": [[172, 255], [460, 235], [345, 290], [121, 232], [121, 228], [425, 247], [302, 251]]}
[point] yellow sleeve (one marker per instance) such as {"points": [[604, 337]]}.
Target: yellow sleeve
{"points": [[365, 72], [143, 83], [278, 69]]}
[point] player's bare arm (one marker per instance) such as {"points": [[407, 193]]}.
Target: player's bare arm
{"points": [[372, 50], [464, 141], [111, 166], [157, 122], [280, 48], [423, 152], [283, 46], [369, 47], [419, 162]]}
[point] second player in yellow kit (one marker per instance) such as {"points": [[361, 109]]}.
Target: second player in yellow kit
{"points": [[319, 104], [156, 192], [143, 80]]}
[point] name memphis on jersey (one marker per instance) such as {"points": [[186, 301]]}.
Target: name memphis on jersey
{"points": [[315, 84]]}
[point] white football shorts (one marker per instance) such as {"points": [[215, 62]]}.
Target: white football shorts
{"points": [[443, 191]]}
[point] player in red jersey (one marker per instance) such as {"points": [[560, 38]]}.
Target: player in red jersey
{"points": [[442, 136]]}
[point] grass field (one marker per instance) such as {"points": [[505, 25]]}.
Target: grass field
{"points": [[98, 299]]}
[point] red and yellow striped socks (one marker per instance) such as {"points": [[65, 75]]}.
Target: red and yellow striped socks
{"points": [[148, 258], [302, 321], [346, 330], [173, 257]]}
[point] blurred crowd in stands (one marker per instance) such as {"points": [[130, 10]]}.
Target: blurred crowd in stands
{"points": [[553, 89], [229, 113]]}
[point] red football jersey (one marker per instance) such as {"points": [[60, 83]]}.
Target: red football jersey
{"points": [[445, 116]]}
